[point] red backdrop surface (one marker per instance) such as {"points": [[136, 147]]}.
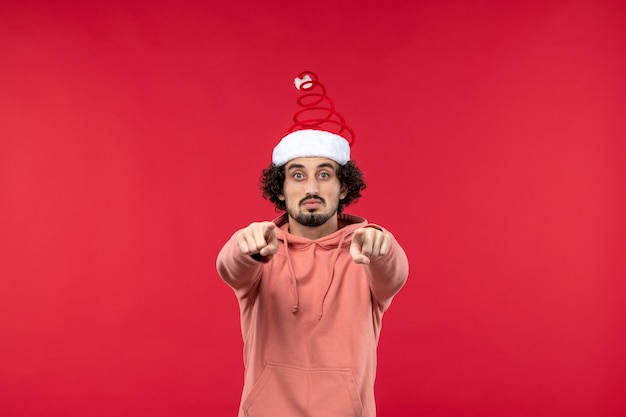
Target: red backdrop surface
{"points": [[491, 134]]}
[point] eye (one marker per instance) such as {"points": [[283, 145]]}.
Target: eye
{"points": [[298, 176], [324, 175]]}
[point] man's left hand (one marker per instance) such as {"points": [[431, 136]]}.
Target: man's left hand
{"points": [[367, 243]]}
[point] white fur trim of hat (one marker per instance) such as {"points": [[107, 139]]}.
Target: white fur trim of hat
{"points": [[311, 143]]}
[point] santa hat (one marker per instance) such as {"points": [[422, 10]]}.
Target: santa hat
{"points": [[318, 129]]}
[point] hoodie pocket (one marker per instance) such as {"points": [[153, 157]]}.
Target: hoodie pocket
{"points": [[288, 391]]}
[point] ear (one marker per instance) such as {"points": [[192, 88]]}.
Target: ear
{"points": [[344, 193], [281, 197]]}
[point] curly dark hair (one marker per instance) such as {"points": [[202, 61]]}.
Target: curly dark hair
{"points": [[350, 177]]}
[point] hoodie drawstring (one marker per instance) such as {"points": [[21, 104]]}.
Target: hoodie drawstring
{"points": [[333, 261], [293, 287]]}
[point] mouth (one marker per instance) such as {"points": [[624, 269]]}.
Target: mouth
{"points": [[311, 203]]}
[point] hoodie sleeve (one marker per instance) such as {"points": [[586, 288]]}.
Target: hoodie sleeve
{"points": [[241, 272], [387, 274]]}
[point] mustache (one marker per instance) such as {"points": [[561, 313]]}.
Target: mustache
{"points": [[312, 197]]}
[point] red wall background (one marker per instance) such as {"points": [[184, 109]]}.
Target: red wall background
{"points": [[491, 134]]}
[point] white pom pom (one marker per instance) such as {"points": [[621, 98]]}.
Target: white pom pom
{"points": [[306, 79]]}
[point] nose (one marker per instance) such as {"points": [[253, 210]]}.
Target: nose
{"points": [[312, 187]]}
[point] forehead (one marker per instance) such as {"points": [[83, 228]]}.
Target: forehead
{"points": [[311, 163]]}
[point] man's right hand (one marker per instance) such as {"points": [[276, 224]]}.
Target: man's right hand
{"points": [[258, 238]]}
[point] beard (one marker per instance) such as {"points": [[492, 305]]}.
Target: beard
{"points": [[311, 219]]}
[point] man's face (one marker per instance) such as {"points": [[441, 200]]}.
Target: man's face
{"points": [[312, 190]]}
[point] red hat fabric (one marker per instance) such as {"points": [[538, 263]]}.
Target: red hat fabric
{"points": [[318, 129]]}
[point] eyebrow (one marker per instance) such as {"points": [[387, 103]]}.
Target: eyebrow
{"points": [[322, 165]]}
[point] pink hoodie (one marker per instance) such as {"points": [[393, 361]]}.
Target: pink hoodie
{"points": [[310, 320]]}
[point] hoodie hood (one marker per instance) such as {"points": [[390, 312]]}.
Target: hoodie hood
{"points": [[334, 243]]}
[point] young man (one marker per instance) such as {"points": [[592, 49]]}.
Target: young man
{"points": [[312, 284]]}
